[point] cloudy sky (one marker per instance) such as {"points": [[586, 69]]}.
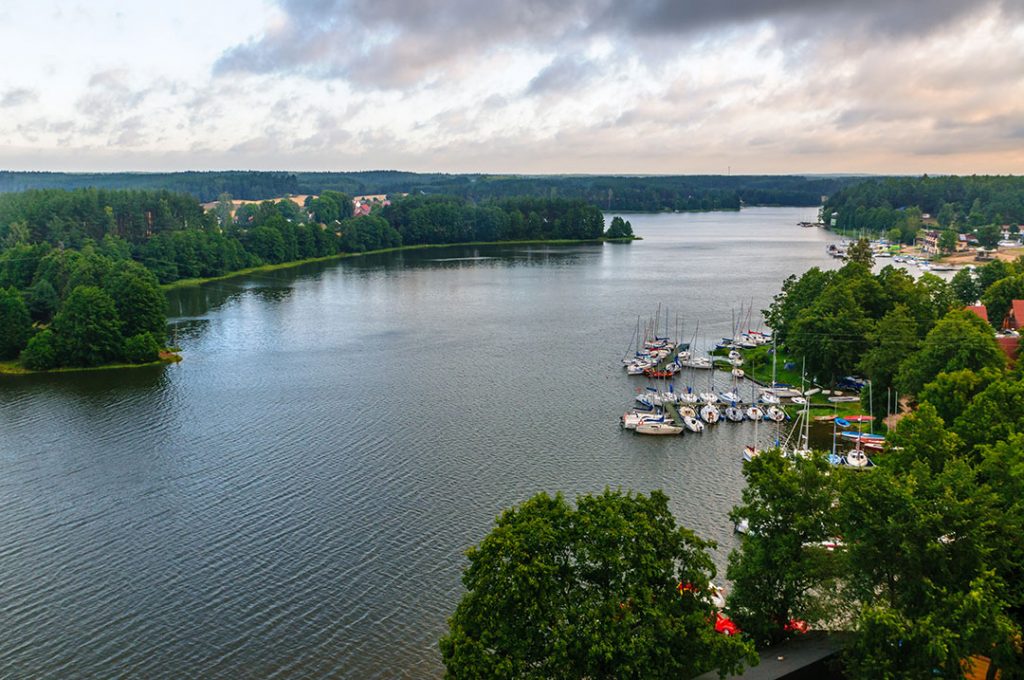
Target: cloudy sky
{"points": [[595, 86]]}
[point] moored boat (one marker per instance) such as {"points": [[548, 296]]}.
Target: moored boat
{"points": [[658, 429]]}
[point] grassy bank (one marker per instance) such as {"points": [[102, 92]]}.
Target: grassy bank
{"points": [[184, 283], [14, 367]]}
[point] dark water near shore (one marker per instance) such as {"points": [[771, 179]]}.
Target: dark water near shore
{"points": [[295, 497]]}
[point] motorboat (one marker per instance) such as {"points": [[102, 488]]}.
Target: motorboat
{"points": [[692, 424], [858, 459]]}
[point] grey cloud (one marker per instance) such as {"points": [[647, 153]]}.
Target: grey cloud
{"points": [[564, 74], [18, 97], [398, 44]]}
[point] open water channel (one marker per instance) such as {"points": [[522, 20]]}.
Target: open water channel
{"points": [[295, 497]]}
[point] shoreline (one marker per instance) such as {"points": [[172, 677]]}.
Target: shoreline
{"points": [[14, 367], [189, 283]]}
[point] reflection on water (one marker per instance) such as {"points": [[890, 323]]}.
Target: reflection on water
{"points": [[296, 496]]}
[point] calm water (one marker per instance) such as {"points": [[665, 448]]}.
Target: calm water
{"points": [[295, 497]]}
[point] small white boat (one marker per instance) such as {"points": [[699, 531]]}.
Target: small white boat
{"points": [[775, 414], [733, 355], [737, 373], [710, 414], [858, 459], [687, 411], [768, 397], [729, 398], [800, 401], [750, 452], [733, 414], [708, 398], [697, 362], [692, 424], [755, 413], [658, 428], [687, 398]]}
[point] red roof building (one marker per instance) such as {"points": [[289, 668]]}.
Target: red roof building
{"points": [[1015, 317], [980, 310]]}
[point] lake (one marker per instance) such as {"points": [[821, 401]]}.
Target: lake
{"points": [[296, 496]]}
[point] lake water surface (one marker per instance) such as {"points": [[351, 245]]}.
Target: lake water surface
{"points": [[295, 497]]}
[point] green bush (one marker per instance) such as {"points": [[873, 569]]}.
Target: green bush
{"points": [[141, 349], [41, 352]]}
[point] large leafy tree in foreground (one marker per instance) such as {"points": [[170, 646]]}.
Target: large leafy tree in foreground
{"points": [[588, 592], [783, 571]]}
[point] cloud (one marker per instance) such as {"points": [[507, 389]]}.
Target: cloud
{"points": [[397, 44], [564, 74], [18, 97]]}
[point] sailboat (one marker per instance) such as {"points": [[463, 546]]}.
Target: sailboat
{"points": [[658, 429], [801, 429], [710, 414]]}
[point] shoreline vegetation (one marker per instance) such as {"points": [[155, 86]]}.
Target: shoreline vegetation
{"points": [[188, 283], [15, 367]]}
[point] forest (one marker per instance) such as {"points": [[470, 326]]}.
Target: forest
{"points": [[608, 192], [928, 567], [957, 203], [80, 270]]}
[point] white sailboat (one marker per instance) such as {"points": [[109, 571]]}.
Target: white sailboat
{"points": [[658, 429], [710, 414]]}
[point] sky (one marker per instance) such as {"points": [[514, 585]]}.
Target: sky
{"points": [[514, 86]]}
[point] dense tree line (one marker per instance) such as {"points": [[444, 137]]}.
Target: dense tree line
{"points": [[90, 307], [64, 252], [449, 219], [205, 186], [608, 192], [956, 203]]}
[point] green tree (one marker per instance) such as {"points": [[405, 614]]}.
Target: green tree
{"points": [[959, 340], [919, 546], [992, 272], [989, 235], [995, 414], [951, 393], [1000, 296], [588, 592], [619, 228], [965, 287], [88, 329], [860, 252], [141, 304], [947, 215], [948, 240], [892, 340], [41, 352], [781, 571], [15, 323], [922, 436], [42, 300], [141, 349], [831, 333]]}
